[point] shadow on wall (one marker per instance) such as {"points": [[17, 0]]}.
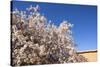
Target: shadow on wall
{"points": [[91, 55]]}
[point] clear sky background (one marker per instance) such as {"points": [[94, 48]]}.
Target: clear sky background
{"points": [[84, 18]]}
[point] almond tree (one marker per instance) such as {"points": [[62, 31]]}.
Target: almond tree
{"points": [[35, 40]]}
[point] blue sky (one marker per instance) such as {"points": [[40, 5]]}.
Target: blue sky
{"points": [[84, 18]]}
